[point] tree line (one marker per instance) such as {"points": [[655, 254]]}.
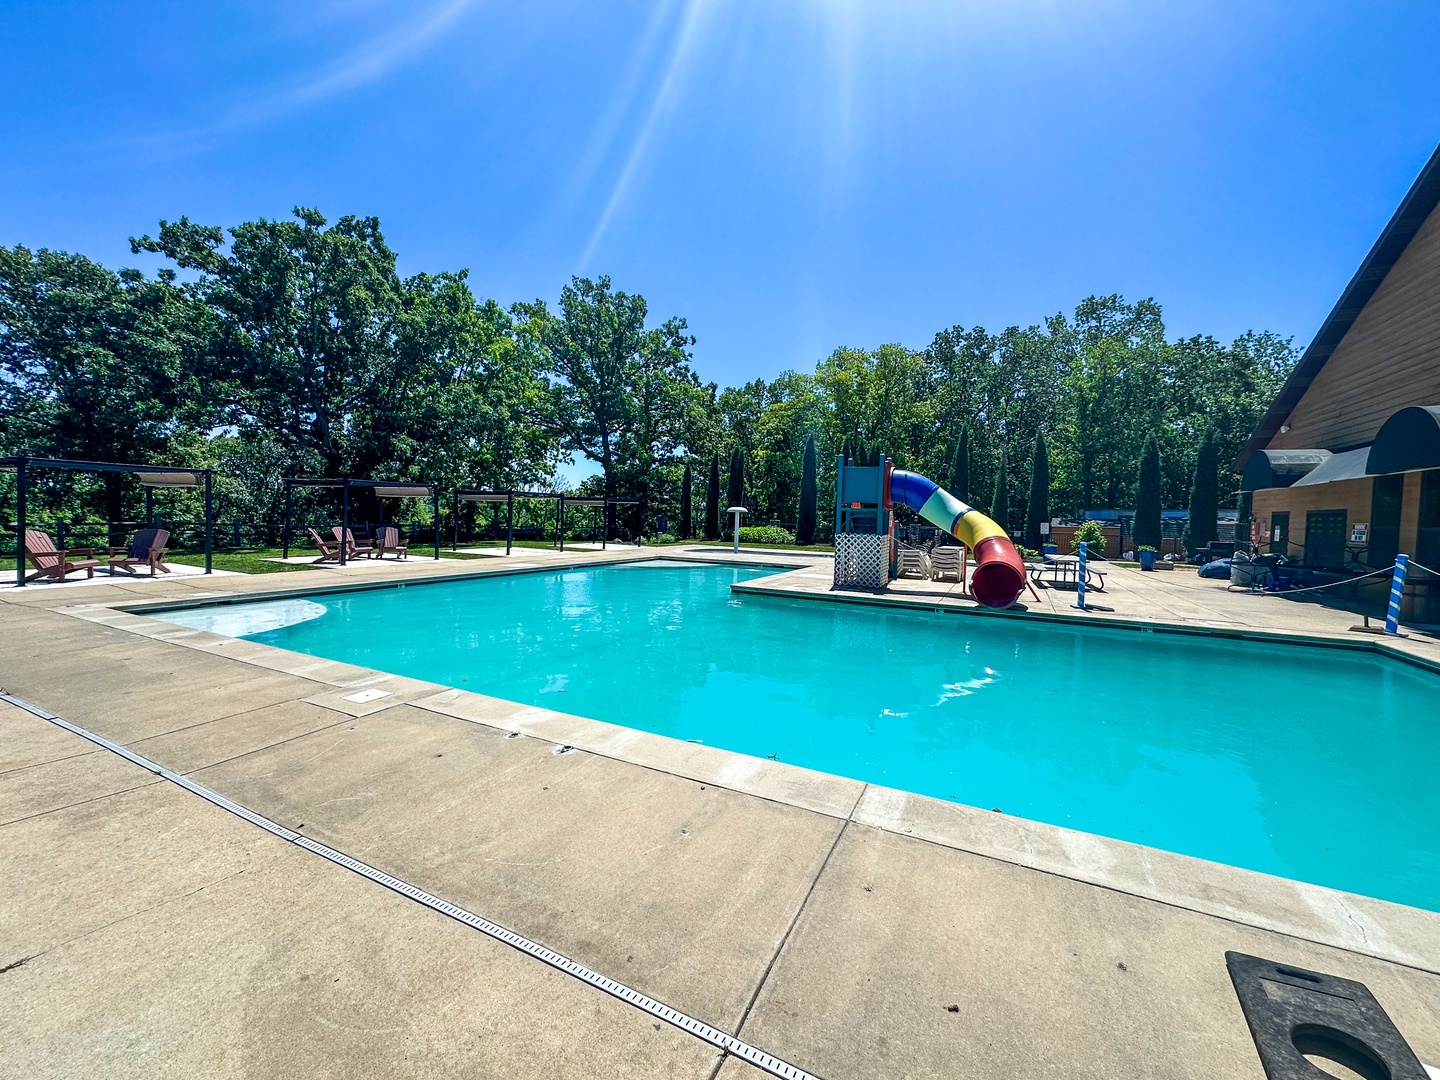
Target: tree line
{"points": [[294, 347]]}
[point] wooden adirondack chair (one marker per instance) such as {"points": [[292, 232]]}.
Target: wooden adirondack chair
{"points": [[352, 549], [147, 549], [388, 539], [50, 563], [329, 549]]}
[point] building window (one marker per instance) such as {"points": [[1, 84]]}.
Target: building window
{"points": [[1385, 503], [1427, 544]]}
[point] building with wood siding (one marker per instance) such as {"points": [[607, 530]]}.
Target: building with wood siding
{"points": [[1344, 468]]}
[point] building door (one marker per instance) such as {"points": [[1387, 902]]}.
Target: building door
{"points": [[1325, 538], [1280, 533], [1385, 500], [1427, 543]]}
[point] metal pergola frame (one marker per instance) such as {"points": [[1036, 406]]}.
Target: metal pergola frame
{"points": [[158, 476], [483, 495], [384, 489]]}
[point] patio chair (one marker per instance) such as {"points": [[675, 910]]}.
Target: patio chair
{"points": [[387, 538], [147, 549], [329, 549], [50, 563], [352, 549]]}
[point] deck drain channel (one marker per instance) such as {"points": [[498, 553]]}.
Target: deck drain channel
{"points": [[698, 1028]]}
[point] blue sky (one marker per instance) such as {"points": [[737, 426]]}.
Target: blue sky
{"points": [[789, 176]]}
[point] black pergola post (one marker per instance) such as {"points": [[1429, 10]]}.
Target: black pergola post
{"points": [[150, 507], [285, 537], [560, 509], [604, 521], [454, 521], [209, 524], [435, 498], [21, 481], [509, 521], [344, 518]]}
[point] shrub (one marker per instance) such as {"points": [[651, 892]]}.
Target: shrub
{"points": [[765, 534], [1093, 535], [666, 538], [1027, 553]]}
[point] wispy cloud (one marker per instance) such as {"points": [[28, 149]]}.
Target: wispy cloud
{"points": [[363, 66], [665, 98]]}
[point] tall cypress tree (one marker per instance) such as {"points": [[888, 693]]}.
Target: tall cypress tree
{"points": [[1147, 497], [1000, 505], [1204, 494], [712, 500], [1038, 508], [687, 489], [960, 467], [805, 528], [735, 488]]}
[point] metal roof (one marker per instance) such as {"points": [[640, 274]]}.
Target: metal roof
{"points": [[1349, 465], [1419, 201]]}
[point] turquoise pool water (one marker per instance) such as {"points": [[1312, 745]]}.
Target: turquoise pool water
{"points": [[1311, 763]]}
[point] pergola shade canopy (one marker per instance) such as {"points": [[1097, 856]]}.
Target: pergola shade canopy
{"points": [[149, 476], [1280, 468], [402, 491], [184, 479], [1408, 441]]}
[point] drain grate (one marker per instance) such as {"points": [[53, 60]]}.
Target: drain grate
{"points": [[698, 1028]]}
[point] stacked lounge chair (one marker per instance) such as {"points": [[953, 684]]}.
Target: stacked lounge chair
{"points": [[947, 563], [911, 562]]}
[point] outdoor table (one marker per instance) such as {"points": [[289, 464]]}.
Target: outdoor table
{"points": [[1065, 570]]}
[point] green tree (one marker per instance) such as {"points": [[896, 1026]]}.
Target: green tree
{"points": [[805, 529], [735, 480], [712, 500], [1204, 503], [687, 482], [619, 393], [1037, 509], [1000, 505], [93, 364], [1146, 532], [960, 467], [304, 326]]}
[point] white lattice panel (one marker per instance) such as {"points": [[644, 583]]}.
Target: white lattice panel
{"points": [[862, 561]]}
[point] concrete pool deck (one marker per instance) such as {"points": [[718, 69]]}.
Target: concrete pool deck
{"points": [[851, 930]]}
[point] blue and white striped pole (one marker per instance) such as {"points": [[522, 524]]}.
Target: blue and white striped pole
{"points": [[1397, 594], [1080, 580]]}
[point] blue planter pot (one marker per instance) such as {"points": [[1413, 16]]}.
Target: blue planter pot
{"points": [[1147, 560], [1048, 549]]}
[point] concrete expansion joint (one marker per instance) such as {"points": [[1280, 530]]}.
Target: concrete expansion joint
{"points": [[790, 928]]}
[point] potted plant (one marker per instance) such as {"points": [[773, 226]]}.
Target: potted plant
{"points": [[1147, 556]]}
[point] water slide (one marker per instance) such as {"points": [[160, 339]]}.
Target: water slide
{"points": [[999, 576]]}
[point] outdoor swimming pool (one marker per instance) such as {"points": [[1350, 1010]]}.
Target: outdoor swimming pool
{"points": [[1312, 763]]}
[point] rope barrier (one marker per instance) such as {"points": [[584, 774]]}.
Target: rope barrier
{"points": [[1330, 585]]}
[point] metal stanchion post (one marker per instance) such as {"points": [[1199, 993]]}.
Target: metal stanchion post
{"points": [[1397, 594], [1080, 580]]}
